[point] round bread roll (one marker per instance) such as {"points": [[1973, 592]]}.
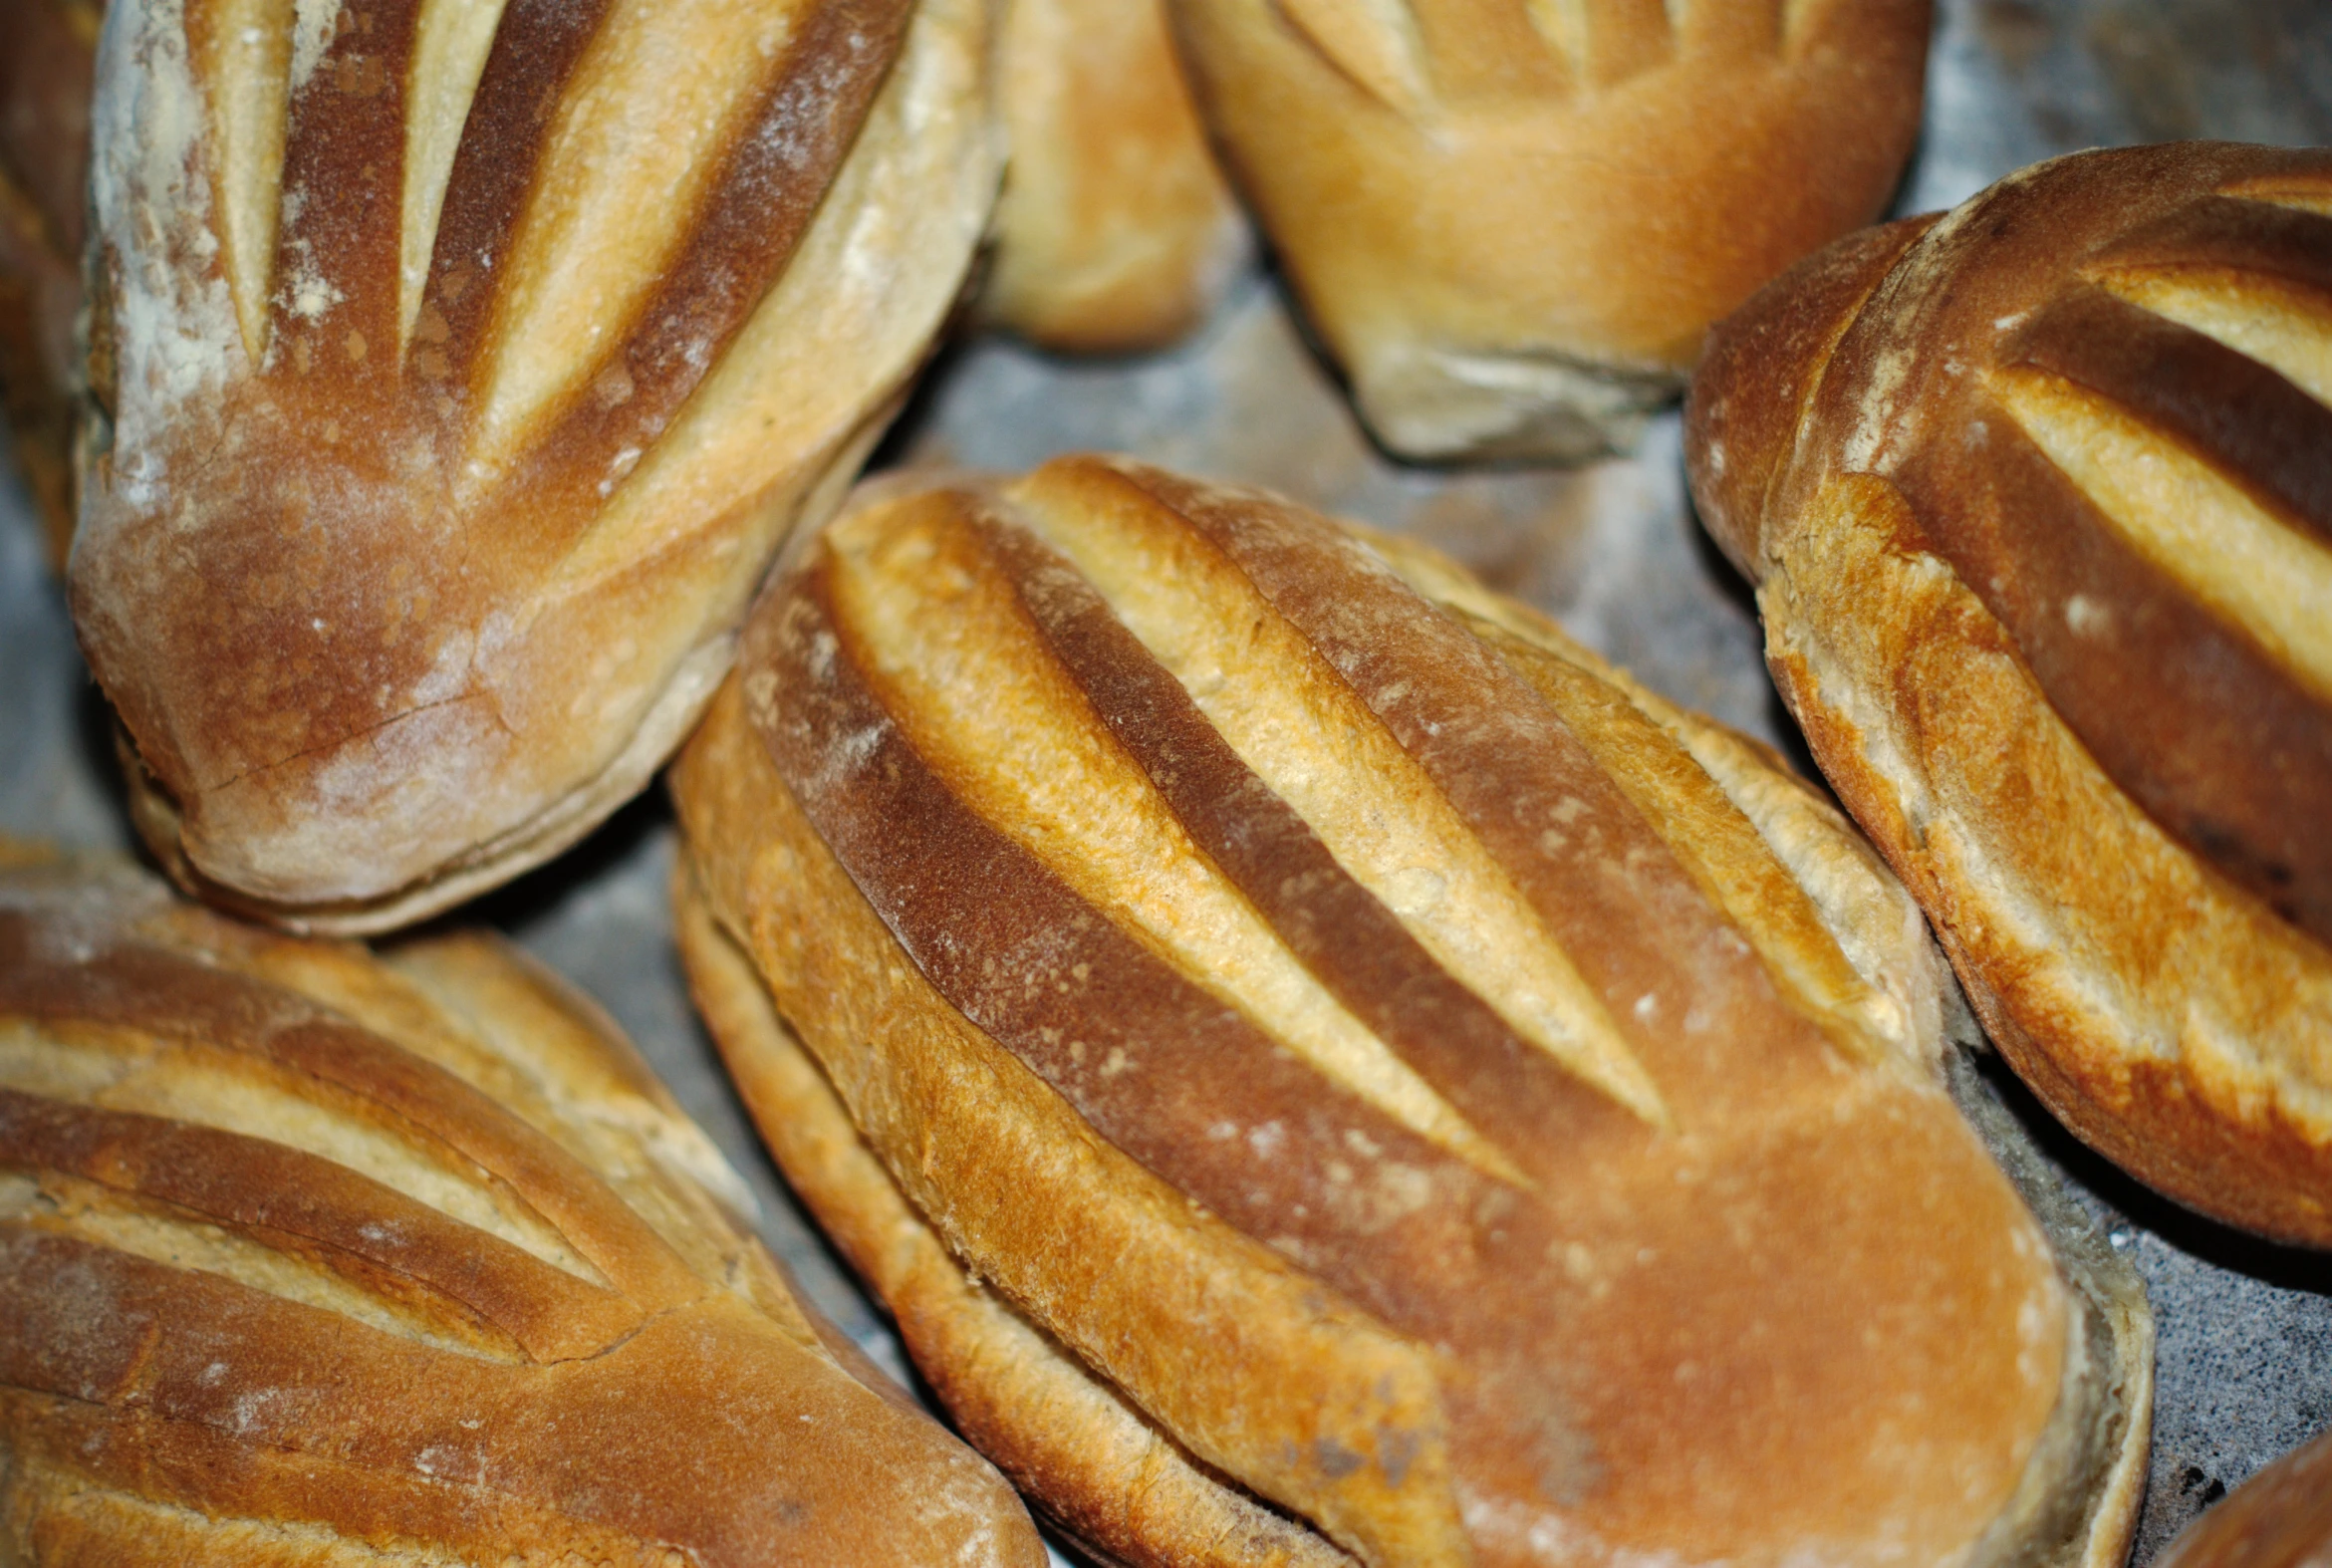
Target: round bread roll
{"points": [[2279, 1518], [45, 53], [2038, 495], [1279, 1022], [1510, 221], [457, 369], [310, 1260], [1114, 231]]}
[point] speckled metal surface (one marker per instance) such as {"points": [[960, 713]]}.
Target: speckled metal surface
{"points": [[2246, 1330]]}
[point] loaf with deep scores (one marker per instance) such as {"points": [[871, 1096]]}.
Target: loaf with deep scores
{"points": [[1512, 220], [2038, 494], [1114, 231], [45, 53], [308, 1258], [456, 369], [1370, 1057]]}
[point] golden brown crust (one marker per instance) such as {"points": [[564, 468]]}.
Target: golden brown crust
{"points": [[302, 1254], [2085, 747], [1101, 1470], [2279, 1518], [46, 48], [1115, 231], [448, 424], [1447, 184], [1475, 1175]]}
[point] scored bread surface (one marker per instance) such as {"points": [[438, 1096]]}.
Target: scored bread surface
{"points": [[317, 1259], [2040, 500], [1372, 1045], [1511, 220], [445, 420]]}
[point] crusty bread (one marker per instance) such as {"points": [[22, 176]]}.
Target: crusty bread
{"points": [[1511, 220], [45, 51], [1367, 1054], [2279, 1518], [312, 1259], [446, 420], [1114, 231], [2039, 499]]}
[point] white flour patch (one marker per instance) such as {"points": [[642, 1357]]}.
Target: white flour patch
{"points": [[315, 24], [177, 338]]}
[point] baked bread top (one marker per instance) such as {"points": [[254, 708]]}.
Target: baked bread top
{"points": [[2103, 387], [445, 421], [308, 1257], [1512, 221], [2040, 496], [1365, 1032]]}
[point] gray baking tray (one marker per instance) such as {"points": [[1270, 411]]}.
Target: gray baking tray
{"points": [[2246, 1329]]}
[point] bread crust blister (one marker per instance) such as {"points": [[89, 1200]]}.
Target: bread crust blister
{"points": [[1366, 1057], [2037, 497], [442, 424], [309, 1257]]}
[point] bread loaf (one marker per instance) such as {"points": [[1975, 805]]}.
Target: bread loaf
{"points": [[1315, 1032], [2279, 1518], [1114, 231], [1511, 220], [312, 1259], [45, 51], [2039, 497], [459, 367]]}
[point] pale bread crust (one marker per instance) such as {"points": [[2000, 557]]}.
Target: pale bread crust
{"points": [[1510, 223], [315, 1258], [2169, 1016], [884, 1041], [1115, 232], [475, 523]]}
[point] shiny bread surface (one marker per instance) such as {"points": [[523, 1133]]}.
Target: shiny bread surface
{"points": [[1512, 221], [316, 1259], [445, 419], [1452, 1094], [2039, 496]]}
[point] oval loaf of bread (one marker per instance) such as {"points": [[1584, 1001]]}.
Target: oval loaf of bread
{"points": [[2039, 499], [1512, 220], [1380, 1061], [456, 369], [313, 1260]]}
